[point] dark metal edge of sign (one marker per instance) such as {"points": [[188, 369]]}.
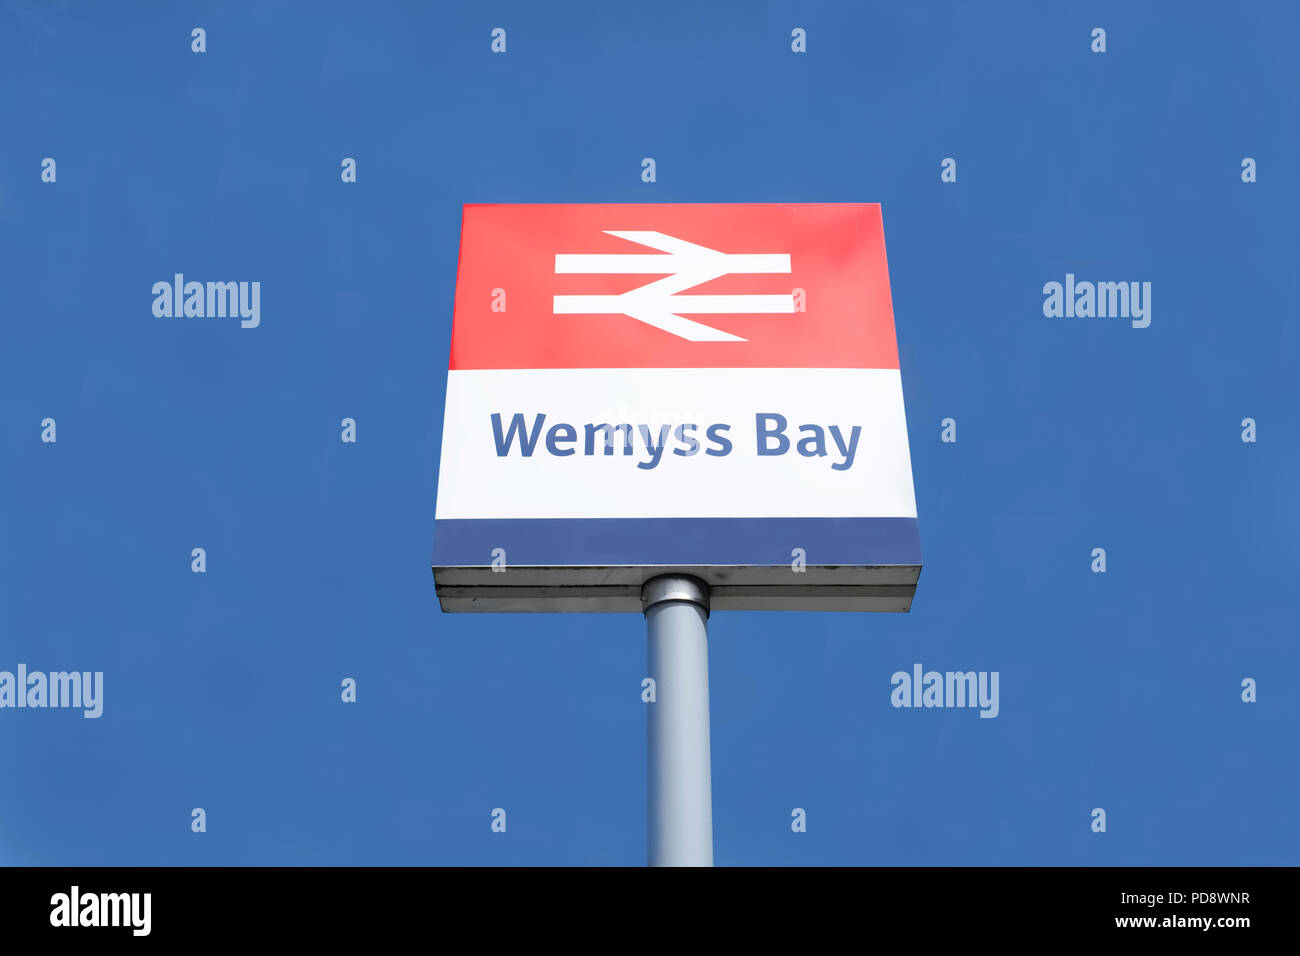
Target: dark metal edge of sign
{"points": [[807, 596]]}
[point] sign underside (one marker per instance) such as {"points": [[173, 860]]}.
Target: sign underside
{"points": [[731, 589]]}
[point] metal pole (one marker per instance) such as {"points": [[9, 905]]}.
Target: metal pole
{"points": [[679, 818]]}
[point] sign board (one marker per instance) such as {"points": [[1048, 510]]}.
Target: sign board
{"points": [[710, 389]]}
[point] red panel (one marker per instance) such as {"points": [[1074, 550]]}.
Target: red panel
{"points": [[837, 256]]}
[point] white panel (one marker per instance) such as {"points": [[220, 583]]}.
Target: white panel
{"points": [[474, 482]]}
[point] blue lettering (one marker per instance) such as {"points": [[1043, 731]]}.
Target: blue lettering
{"points": [[557, 434], [765, 433], [847, 451], [681, 436], [816, 442], [656, 451], [724, 444], [608, 431], [526, 441]]}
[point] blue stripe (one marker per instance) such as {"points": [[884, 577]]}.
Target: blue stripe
{"points": [[633, 542]]}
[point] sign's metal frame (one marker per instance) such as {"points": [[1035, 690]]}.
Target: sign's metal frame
{"points": [[734, 588]]}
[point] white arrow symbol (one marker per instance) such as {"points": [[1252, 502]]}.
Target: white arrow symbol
{"points": [[688, 265]]}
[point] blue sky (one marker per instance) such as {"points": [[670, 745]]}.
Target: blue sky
{"points": [[1119, 690]]}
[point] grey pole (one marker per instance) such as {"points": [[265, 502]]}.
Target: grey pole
{"points": [[679, 783]]}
